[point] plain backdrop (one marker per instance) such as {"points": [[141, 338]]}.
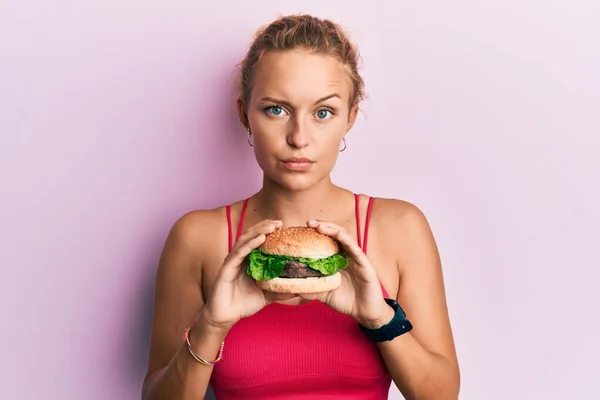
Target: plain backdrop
{"points": [[117, 117]]}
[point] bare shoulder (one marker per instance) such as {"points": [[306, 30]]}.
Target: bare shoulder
{"points": [[405, 227], [196, 231], [188, 242], [192, 242], [396, 211], [421, 290]]}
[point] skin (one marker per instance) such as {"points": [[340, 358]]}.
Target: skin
{"points": [[200, 284]]}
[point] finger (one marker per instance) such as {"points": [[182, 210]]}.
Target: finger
{"points": [[315, 224], [347, 241], [234, 260], [250, 240], [265, 227]]}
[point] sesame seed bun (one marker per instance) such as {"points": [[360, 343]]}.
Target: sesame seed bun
{"points": [[299, 241]]}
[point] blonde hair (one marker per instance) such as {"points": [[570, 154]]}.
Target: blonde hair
{"points": [[306, 32]]}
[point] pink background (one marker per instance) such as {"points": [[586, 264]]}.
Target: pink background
{"points": [[117, 116]]}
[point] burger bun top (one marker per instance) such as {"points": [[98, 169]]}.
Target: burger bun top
{"points": [[300, 241]]}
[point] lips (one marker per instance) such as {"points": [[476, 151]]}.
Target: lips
{"points": [[298, 160], [297, 164]]}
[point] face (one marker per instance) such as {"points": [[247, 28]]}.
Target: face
{"points": [[299, 112]]}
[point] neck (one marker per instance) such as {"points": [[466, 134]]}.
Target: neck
{"points": [[295, 208]]}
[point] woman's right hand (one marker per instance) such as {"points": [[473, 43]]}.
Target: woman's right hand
{"points": [[235, 294]]}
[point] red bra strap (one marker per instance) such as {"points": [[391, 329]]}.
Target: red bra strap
{"points": [[358, 230], [241, 224], [230, 226], [367, 221], [366, 236], [362, 244]]}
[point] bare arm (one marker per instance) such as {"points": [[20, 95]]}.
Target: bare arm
{"points": [[172, 372], [423, 362], [184, 377]]}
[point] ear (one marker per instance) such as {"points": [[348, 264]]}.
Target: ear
{"points": [[352, 117], [242, 115]]}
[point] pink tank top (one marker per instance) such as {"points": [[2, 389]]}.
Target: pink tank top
{"points": [[306, 351]]}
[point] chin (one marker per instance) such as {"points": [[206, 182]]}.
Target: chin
{"points": [[294, 181], [297, 183], [301, 182]]}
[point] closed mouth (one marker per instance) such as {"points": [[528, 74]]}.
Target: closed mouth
{"points": [[298, 160]]}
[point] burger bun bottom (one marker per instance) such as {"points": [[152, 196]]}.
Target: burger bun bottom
{"points": [[301, 285]]}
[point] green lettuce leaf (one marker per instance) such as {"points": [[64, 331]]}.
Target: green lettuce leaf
{"points": [[268, 266]]}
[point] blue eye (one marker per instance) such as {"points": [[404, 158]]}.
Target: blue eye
{"points": [[275, 110], [322, 114]]}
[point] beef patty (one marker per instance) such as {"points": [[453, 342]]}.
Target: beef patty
{"points": [[297, 269]]}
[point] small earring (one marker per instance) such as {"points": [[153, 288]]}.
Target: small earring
{"points": [[249, 142], [344, 148]]}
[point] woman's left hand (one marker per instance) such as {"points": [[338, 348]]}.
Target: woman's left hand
{"points": [[359, 295]]}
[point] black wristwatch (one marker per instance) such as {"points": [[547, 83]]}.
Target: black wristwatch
{"points": [[399, 325]]}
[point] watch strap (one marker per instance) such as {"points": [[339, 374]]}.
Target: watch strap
{"points": [[398, 326]]}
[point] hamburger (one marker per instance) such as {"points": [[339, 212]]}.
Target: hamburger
{"points": [[297, 260]]}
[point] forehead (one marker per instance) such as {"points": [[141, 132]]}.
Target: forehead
{"points": [[299, 75]]}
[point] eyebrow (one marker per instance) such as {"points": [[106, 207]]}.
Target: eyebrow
{"points": [[287, 103]]}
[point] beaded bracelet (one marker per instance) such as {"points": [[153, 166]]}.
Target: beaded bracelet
{"points": [[186, 339]]}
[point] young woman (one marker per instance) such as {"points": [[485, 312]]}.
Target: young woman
{"points": [[299, 96]]}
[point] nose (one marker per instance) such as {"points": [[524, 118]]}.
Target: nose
{"points": [[297, 137]]}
